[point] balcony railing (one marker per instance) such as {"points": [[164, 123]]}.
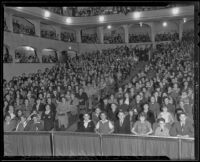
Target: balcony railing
{"points": [[91, 144]]}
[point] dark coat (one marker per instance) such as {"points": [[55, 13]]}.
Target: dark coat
{"points": [[89, 128], [124, 129]]}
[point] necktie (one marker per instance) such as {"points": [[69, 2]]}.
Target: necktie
{"points": [[121, 122]]}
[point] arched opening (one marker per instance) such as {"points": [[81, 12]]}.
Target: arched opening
{"points": [[139, 33], [68, 35], [113, 34], [89, 35], [23, 26], [49, 56], [26, 54], [47, 31], [7, 58]]}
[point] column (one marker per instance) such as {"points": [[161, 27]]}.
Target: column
{"points": [[78, 35], [180, 26], [126, 33], [10, 22], [37, 28], [58, 32], [153, 34], [100, 34]]}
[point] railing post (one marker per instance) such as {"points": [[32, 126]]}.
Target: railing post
{"points": [[179, 149], [52, 141], [101, 144]]}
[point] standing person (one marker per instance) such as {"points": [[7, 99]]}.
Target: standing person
{"points": [[154, 106], [142, 126], [104, 126], [149, 114], [62, 116], [48, 118], [122, 125], [83, 100], [112, 113], [26, 107], [38, 107], [86, 125], [21, 124]]}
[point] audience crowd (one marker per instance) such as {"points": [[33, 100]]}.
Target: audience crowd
{"points": [[49, 59], [22, 28], [89, 38], [5, 25], [159, 100], [167, 37], [22, 57], [133, 38], [67, 37], [48, 34], [113, 39]]}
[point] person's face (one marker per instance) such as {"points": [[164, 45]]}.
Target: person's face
{"points": [[19, 113], [142, 118], [86, 117], [138, 97], [181, 104], [164, 109], [182, 117], [152, 99], [35, 119], [103, 116], [146, 108], [105, 101], [166, 101], [63, 100], [131, 113], [97, 110], [121, 116]]}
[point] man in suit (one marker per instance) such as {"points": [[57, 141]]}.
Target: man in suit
{"points": [[86, 125], [182, 128], [122, 125]]}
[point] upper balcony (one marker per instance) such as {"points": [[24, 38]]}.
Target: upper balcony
{"points": [[101, 18]]}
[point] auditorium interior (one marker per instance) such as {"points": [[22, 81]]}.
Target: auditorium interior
{"points": [[99, 81]]}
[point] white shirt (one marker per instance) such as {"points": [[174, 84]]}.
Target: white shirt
{"points": [[86, 123]]}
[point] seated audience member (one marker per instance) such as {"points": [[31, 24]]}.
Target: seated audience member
{"points": [[19, 113], [132, 116], [52, 106], [142, 127], [122, 125], [21, 124], [161, 130], [26, 107], [86, 125], [122, 106], [73, 104], [182, 128], [48, 118], [104, 126], [112, 113], [39, 107], [167, 116], [105, 106], [148, 113], [34, 124], [112, 99], [9, 124], [96, 115], [11, 112], [171, 107]]}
